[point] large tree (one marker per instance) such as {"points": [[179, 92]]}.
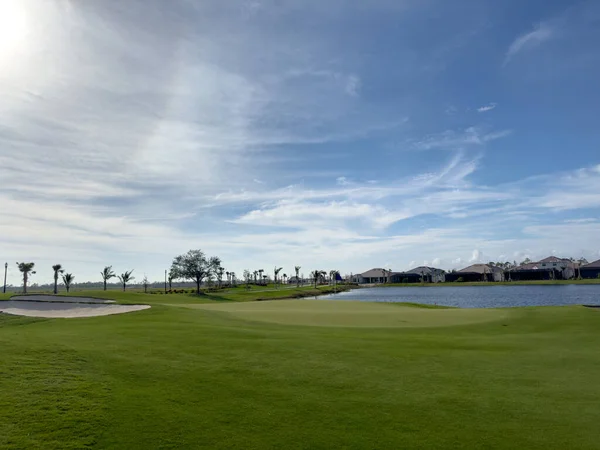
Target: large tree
{"points": [[68, 280], [297, 269], [125, 278], [195, 266], [57, 268], [107, 273], [26, 269]]}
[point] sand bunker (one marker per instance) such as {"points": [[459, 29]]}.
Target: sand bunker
{"points": [[64, 307]]}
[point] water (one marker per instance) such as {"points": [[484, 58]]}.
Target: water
{"points": [[479, 296]]}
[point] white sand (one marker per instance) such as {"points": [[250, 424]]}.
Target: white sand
{"points": [[53, 309], [58, 298]]}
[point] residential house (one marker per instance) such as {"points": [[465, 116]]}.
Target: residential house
{"points": [[477, 272], [422, 274], [591, 270], [551, 268], [373, 276]]}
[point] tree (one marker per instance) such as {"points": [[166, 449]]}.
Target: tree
{"points": [[68, 280], [107, 274], [333, 275], [284, 276], [57, 268], [126, 278], [247, 278], [297, 269], [276, 273], [255, 273], [260, 274], [195, 266], [525, 261], [145, 282], [316, 274], [170, 279], [220, 272], [26, 269], [232, 277]]}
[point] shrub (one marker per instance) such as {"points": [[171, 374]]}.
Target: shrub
{"points": [[460, 280]]}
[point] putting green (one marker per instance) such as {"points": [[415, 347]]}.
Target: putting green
{"points": [[351, 314]]}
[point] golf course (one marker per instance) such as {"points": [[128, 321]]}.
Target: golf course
{"points": [[222, 371]]}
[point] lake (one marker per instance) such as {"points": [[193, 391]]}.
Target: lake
{"points": [[479, 296]]}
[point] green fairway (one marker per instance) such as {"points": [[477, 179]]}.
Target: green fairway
{"points": [[352, 314], [217, 374]]}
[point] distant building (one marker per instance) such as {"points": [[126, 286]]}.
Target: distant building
{"points": [[373, 276], [591, 270], [477, 272], [551, 268], [422, 274]]}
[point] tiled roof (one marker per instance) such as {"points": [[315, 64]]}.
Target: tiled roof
{"points": [[375, 273], [481, 268], [424, 269], [592, 265], [554, 259]]}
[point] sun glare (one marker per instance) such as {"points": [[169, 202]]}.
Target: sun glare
{"points": [[13, 26]]}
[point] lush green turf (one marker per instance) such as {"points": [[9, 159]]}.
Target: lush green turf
{"points": [[186, 377], [352, 314]]}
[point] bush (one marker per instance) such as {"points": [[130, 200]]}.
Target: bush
{"points": [[460, 280], [598, 276]]}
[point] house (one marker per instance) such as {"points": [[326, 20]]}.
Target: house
{"points": [[551, 268], [477, 272], [373, 276], [533, 271], [591, 270], [422, 274]]}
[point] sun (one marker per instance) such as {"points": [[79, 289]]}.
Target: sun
{"points": [[14, 25]]}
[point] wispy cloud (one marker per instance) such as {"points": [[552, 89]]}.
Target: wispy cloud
{"points": [[528, 41], [487, 108]]}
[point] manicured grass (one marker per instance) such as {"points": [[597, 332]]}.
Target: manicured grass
{"points": [[352, 314], [192, 377]]}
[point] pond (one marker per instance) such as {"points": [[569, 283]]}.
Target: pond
{"points": [[488, 296]]}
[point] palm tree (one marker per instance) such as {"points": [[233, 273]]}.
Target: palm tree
{"points": [[220, 272], [68, 280], [316, 274], [284, 278], [107, 274], [26, 269], [125, 278], [333, 276], [228, 278], [276, 272], [260, 274], [255, 276], [297, 269], [57, 269], [145, 282]]}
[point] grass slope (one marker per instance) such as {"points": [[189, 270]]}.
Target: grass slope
{"points": [[180, 377], [352, 314]]}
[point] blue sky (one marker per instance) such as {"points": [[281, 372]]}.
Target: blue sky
{"points": [[337, 134]]}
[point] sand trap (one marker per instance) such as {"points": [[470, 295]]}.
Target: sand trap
{"points": [[50, 306], [59, 299], [332, 313]]}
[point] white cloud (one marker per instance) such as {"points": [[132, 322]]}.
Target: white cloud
{"points": [[540, 34], [487, 108], [476, 256]]}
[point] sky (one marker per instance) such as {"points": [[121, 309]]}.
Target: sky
{"points": [[331, 135]]}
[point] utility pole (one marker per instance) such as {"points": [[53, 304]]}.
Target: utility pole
{"points": [[5, 270]]}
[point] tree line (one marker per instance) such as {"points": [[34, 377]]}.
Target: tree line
{"points": [[194, 266]]}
